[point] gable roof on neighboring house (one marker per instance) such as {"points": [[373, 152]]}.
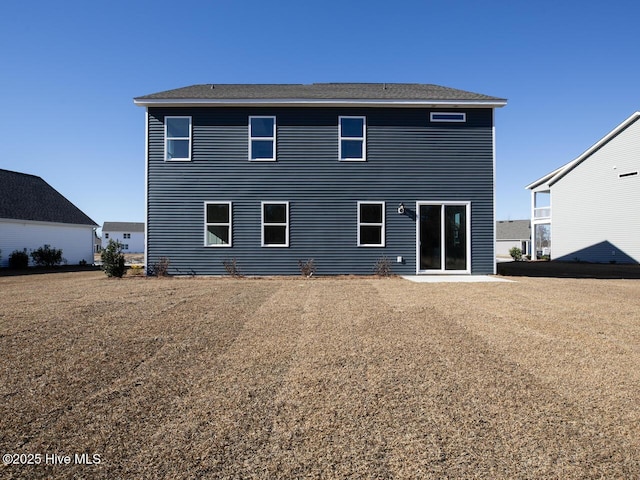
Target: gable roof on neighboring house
{"points": [[513, 229], [553, 177], [320, 94], [29, 197], [123, 227]]}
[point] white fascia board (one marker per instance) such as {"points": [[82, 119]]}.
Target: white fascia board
{"points": [[269, 102], [52, 224], [597, 146], [558, 173], [544, 179]]}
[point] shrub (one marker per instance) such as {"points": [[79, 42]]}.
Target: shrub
{"points": [[231, 267], [160, 268], [113, 259], [382, 267], [46, 256], [516, 254], [307, 268], [19, 259]]}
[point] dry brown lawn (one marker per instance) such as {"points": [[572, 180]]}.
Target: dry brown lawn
{"points": [[323, 378]]}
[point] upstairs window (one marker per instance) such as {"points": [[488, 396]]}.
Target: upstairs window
{"points": [[275, 224], [352, 138], [371, 224], [177, 135], [459, 117], [126, 235], [262, 138], [217, 227]]}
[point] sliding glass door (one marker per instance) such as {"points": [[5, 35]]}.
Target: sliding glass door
{"points": [[443, 238]]}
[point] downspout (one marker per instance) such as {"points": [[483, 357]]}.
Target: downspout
{"points": [[493, 140], [146, 189]]}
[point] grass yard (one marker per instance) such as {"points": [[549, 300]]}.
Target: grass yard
{"points": [[323, 378]]}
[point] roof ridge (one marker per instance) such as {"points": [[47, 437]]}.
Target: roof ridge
{"points": [[21, 173], [380, 93]]}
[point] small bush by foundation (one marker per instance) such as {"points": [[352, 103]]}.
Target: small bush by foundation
{"points": [[113, 259]]}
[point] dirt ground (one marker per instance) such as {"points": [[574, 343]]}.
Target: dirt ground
{"points": [[321, 378], [129, 258]]}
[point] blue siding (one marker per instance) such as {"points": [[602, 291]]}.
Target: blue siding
{"points": [[409, 159]]}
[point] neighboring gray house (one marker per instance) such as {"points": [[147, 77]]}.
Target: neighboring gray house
{"points": [[345, 174], [34, 214], [129, 234], [587, 210], [510, 234]]}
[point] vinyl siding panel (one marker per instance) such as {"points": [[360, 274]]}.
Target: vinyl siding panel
{"points": [[595, 215], [408, 160], [75, 241]]}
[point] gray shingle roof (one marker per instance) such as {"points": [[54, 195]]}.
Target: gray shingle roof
{"points": [[28, 197], [320, 91], [513, 230], [123, 227]]}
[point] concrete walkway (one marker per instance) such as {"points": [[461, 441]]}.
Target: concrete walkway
{"points": [[453, 278]]}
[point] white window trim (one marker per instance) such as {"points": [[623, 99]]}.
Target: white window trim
{"points": [[383, 235], [442, 271], [263, 224], [219, 224], [167, 138], [363, 139], [272, 138], [449, 120]]}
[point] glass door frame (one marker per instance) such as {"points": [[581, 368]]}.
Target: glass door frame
{"points": [[442, 270]]}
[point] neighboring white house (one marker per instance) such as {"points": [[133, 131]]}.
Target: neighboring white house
{"points": [[588, 210], [33, 214], [129, 234], [512, 233]]}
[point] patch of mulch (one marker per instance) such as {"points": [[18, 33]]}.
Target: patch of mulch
{"points": [[569, 270], [11, 272]]}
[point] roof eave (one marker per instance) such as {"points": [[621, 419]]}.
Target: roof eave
{"points": [[543, 180], [597, 146], [303, 102], [49, 222], [553, 177]]}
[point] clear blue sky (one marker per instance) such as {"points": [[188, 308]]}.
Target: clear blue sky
{"points": [[70, 69]]}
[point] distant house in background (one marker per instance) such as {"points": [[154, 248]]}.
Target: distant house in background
{"points": [[588, 210], [34, 214], [129, 234], [97, 243], [513, 233]]}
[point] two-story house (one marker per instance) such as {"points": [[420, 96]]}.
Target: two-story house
{"points": [[344, 174], [587, 210], [129, 234]]}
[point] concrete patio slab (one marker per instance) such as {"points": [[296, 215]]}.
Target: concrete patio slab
{"points": [[454, 278]]}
